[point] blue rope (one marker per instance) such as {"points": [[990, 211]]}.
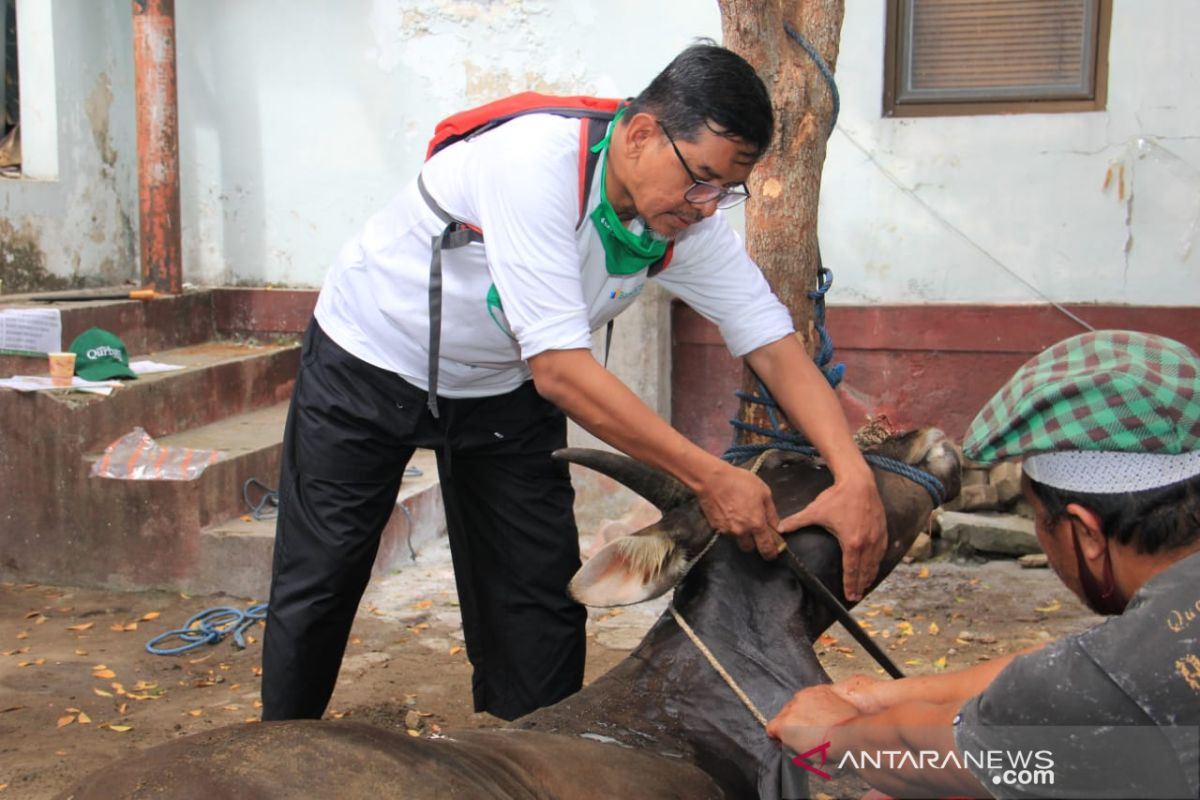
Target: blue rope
{"points": [[824, 69], [209, 627], [792, 441]]}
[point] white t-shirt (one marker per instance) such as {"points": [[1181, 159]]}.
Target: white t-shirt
{"points": [[519, 184]]}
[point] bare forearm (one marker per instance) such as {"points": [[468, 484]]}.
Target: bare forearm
{"points": [[950, 688], [809, 402], [606, 408]]}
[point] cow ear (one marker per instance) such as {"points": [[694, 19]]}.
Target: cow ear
{"points": [[631, 569]]}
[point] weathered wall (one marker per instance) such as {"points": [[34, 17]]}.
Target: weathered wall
{"points": [[293, 134], [1095, 207], [78, 226]]}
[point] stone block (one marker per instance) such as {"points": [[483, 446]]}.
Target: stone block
{"points": [[1006, 534], [1006, 478], [981, 497]]}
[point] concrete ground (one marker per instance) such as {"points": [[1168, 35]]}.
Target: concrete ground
{"points": [[77, 688]]}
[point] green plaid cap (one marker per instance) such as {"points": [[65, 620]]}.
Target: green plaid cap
{"points": [[1112, 391]]}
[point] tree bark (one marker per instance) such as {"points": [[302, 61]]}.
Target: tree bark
{"points": [[781, 216]]}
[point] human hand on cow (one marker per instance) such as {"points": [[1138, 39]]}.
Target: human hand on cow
{"points": [[804, 722], [738, 503], [863, 692], [852, 511]]}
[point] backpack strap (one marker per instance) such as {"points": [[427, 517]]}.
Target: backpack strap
{"points": [[662, 263], [591, 132], [455, 234]]}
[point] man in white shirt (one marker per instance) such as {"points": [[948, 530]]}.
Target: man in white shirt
{"points": [[512, 311]]}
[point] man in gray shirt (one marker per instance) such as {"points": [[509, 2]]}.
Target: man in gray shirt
{"points": [[1108, 425]]}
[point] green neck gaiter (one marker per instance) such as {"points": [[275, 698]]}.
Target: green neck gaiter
{"points": [[625, 253]]}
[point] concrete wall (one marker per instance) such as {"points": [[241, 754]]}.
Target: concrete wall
{"points": [[298, 119], [74, 220], [1024, 207]]}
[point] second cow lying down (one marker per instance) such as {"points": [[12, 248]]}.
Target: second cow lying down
{"points": [[661, 724]]}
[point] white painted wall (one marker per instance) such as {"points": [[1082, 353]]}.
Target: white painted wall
{"points": [[299, 118], [1013, 209], [77, 206]]}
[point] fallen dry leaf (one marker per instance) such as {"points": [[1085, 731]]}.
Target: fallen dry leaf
{"points": [[423, 604], [826, 640], [81, 652], [912, 662], [940, 664], [117, 687], [250, 720], [455, 650], [142, 686], [83, 718], [83, 626], [65, 721], [934, 630], [101, 692], [33, 614], [1054, 605], [22, 634], [412, 732], [104, 673], [904, 628], [149, 615], [117, 728], [195, 712], [924, 572], [121, 709]]}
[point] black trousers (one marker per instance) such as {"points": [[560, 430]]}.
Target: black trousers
{"points": [[350, 432]]}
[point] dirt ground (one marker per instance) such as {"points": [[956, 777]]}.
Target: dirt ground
{"points": [[78, 689]]}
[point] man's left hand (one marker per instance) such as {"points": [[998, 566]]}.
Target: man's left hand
{"points": [[852, 511]]}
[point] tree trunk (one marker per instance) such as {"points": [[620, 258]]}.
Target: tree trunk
{"points": [[781, 216]]}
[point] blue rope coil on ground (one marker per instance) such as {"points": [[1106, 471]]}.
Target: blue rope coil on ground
{"points": [[209, 627]]}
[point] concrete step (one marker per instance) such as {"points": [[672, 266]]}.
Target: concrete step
{"points": [[249, 444], [234, 556], [68, 527], [217, 380]]}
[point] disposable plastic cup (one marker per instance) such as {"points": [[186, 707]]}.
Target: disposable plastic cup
{"points": [[62, 368]]}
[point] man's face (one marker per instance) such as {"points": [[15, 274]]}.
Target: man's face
{"points": [[1056, 542], [666, 173]]}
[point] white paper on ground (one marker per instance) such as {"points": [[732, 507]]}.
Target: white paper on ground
{"points": [[37, 383]]}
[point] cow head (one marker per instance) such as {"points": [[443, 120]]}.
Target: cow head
{"points": [[651, 561]]}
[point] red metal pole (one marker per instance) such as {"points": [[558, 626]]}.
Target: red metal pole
{"points": [[158, 144]]}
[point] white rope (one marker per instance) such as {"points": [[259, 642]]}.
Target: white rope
{"points": [[717, 665]]}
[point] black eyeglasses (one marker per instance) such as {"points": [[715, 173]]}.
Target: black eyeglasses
{"points": [[701, 192]]}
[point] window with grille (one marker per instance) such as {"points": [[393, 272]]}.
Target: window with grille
{"points": [[995, 56]]}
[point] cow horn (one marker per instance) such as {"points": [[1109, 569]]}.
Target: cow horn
{"points": [[659, 488]]}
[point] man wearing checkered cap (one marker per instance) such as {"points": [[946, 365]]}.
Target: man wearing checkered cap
{"points": [[1108, 425]]}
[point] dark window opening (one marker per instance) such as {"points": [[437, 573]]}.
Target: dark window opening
{"points": [[10, 130]]}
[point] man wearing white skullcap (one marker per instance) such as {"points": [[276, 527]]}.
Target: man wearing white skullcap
{"points": [[1108, 427]]}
